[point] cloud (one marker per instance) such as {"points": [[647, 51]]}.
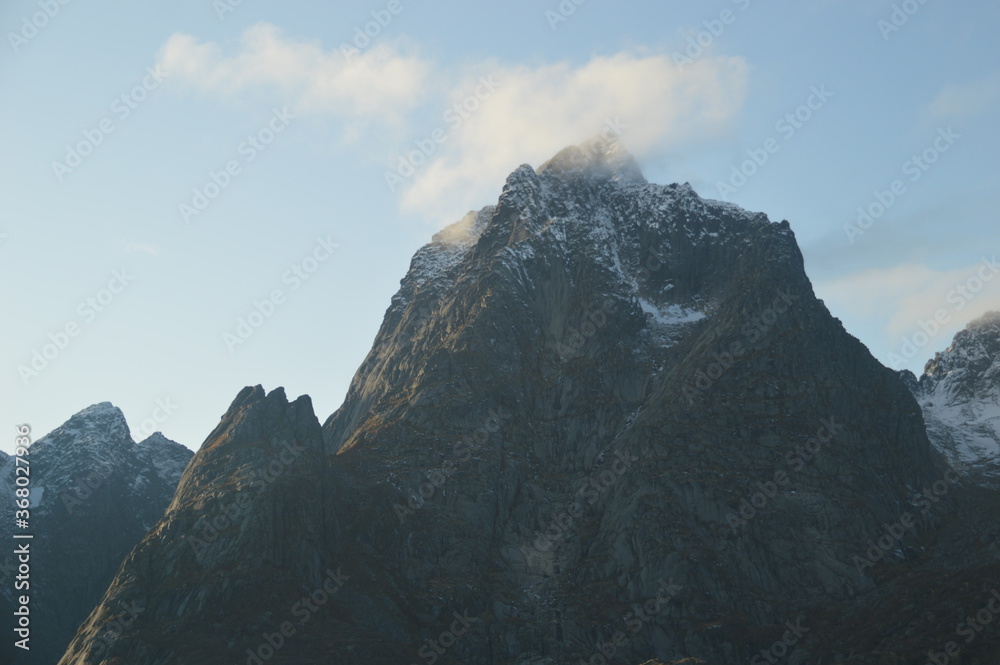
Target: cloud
{"points": [[383, 82], [536, 111], [966, 99], [912, 237], [492, 117], [904, 296]]}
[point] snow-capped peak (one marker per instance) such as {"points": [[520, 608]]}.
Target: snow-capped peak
{"points": [[959, 393], [155, 439], [98, 424], [598, 158]]}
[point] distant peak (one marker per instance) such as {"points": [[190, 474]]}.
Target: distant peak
{"points": [[970, 359], [156, 439], [101, 408], [600, 157], [986, 320], [101, 423], [102, 414]]}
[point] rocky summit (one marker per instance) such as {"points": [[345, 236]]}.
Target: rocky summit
{"points": [[94, 494], [959, 393], [603, 421]]}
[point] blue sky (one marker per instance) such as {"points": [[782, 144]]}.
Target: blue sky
{"points": [[117, 115]]}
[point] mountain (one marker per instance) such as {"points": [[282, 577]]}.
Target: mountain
{"points": [[959, 392], [604, 421], [94, 494]]}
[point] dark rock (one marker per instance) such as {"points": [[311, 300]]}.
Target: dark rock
{"points": [[94, 494], [601, 418]]}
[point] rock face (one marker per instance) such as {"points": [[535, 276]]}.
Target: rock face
{"points": [[602, 419], [94, 494], [959, 393], [247, 519]]}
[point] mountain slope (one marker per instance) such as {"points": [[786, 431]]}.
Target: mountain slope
{"points": [[600, 417], [94, 494]]}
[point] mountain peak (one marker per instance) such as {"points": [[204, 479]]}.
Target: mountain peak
{"points": [[99, 410], [157, 439], [960, 398], [973, 351], [102, 422], [599, 158], [988, 320]]}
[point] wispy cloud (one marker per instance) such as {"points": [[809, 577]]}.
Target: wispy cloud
{"points": [[905, 295], [383, 83], [536, 111], [533, 112], [966, 99]]}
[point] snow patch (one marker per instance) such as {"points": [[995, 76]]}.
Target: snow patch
{"points": [[671, 315]]}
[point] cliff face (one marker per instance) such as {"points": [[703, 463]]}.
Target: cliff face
{"points": [[246, 520], [602, 418], [94, 494]]}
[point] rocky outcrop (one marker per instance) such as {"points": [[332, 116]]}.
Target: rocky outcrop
{"points": [[602, 419], [959, 392], [246, 532], [94, 494]]}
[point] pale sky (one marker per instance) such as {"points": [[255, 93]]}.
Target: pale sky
{"points": [[172, 167]]}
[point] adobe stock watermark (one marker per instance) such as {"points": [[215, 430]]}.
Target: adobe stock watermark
{"points": [[112, 630], [961, 295], [970, 628], [929, 496], [655, 260], [32, 25], [83, 488], [786, 126], [121, 108], [900, 16], [562, 521], [611, 133], [365, 35], [462, 451], [209, 530], [296, 275], [641, 614], [562, 12], [751, 331], [160, 414], [455, 116], [432, 649], [576, 337], [914, 168], [780, 648], [87, 311], [885, 542], [699, 42], [796, 459], [223, 7], [249, 149], [895, 532], [303, 611]]}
